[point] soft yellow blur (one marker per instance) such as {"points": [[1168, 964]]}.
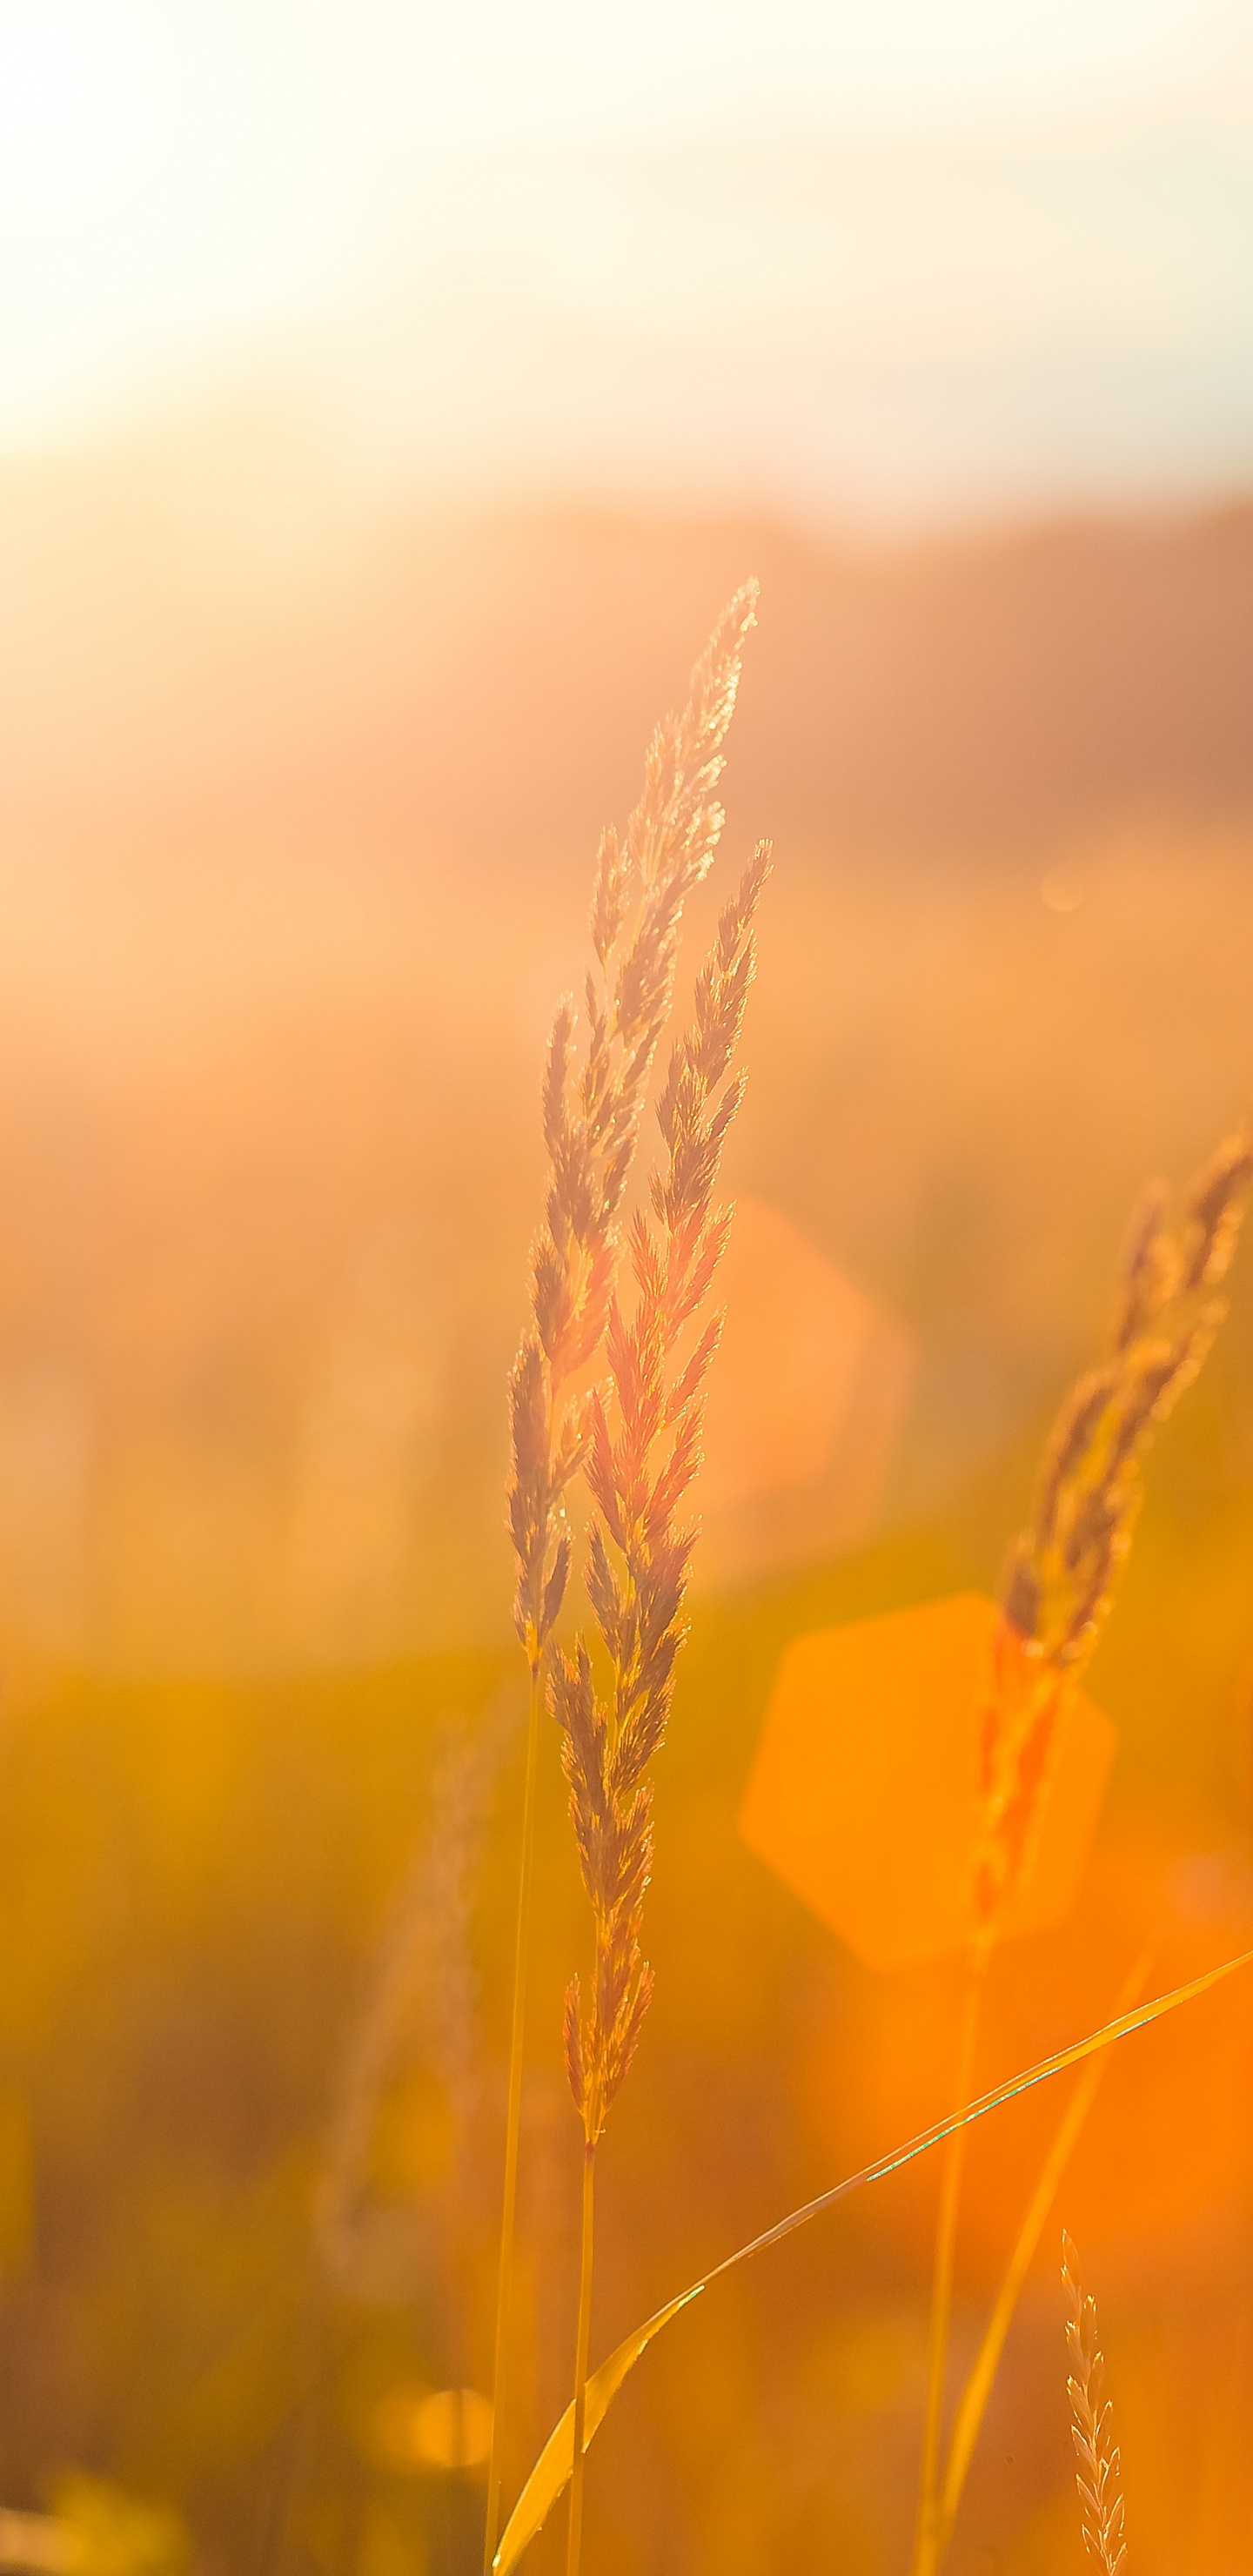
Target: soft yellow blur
{"points": [[311, 717]]}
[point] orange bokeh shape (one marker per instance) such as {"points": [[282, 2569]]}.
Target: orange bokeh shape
{"points": [[788, 1363], [862, 1792], [806, 1403]]}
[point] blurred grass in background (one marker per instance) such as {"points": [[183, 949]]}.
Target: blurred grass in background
{"points": [[296, 847]]}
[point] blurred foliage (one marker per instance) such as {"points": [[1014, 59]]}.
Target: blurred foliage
{"points": [[201, 1885], [280, 948], [110, 2533]]}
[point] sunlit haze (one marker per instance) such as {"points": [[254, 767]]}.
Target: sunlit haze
{"points": [[886, 258], [724, 1412]]}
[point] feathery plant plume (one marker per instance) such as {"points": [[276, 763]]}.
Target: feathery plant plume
{"points": [[592, 1109], [639, 1548], [1057, 1589], [1099, 2474], [1062, 1568], [593, 1099]]}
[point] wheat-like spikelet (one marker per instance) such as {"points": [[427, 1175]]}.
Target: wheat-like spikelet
{"points": [[592, 1107], [593, 1099], [1099, 2474], [637, 1559], [1057, 1589], [1062, 1568], [638, 1544]]}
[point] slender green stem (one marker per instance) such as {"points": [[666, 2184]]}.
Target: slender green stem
{"points": [[513, 2125], [582, 2342], [927, 2536]]}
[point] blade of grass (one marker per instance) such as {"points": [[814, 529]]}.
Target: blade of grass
{"points": [[552, 2469], [978, 2388], [556, 2460]]}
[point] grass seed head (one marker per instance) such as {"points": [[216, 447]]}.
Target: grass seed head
{"points": [[1063, 1567], [643, 1454], [1099, 2474], [593, 1096]]}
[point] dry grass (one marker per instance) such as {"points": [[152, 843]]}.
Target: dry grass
{"points": [[636, 1445], [1058, 1586], [638, 1553], [592, 1111], [892, 1155], [592, 1104], [639, 1548], [1099, 2474], [1063, 1567]]}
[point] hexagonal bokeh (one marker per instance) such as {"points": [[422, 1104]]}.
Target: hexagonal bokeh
{"points": [[862, 1790], [807, 1398]]}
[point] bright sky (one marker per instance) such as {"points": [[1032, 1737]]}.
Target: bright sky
{"points": [[906, 256]]}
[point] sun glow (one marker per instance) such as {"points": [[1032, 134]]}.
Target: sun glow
{"points": [[510, 247]]}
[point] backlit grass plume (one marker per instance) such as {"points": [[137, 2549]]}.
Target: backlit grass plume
{"points": [[1062, 1568], [640, 1466], [1099, 2474], [639, 1546], [593, 1096], [591, 1105], [1058, 1585]]}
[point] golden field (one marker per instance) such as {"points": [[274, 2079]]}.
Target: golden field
{"points": [[298, 816]]}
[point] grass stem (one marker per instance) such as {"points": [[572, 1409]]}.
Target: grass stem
{"points": [[978, 2388], [582, 2342], [928, 2536], [513, 2125]]}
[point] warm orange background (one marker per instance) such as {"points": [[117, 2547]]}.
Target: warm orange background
{"points": [[297, 843], [389, 397]]}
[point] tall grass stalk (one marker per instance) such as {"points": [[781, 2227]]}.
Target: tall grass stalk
{"points": [[1057, 1591], [593, 1098], [640, 1467]]}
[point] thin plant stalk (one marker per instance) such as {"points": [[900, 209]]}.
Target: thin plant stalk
{"points": [[1063, 1567], [1056, 1594], [583, 2339], [550, 2474], [593, 1096], [927, 2540], [513, 2122], [978, 2388], [641, 1460]]}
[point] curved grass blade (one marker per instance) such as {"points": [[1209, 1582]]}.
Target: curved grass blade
{"points": [[552, 2469], [556, 2460], [978, 2388]]}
